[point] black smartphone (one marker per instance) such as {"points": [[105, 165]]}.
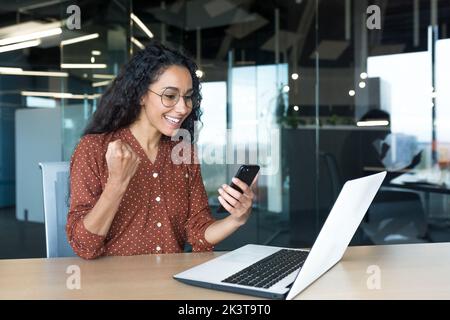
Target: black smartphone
{"points": [[245, 173]]}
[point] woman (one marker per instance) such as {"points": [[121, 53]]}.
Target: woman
{"points": [[128, 196]]}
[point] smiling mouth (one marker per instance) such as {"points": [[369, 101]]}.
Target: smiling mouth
{"points": [[173, 120]]}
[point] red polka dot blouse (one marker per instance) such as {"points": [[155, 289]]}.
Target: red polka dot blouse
{"points": [[164, 207]]}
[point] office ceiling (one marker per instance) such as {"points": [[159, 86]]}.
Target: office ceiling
{"points": [[246, 26]]}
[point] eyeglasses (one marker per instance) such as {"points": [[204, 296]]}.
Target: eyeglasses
{"points": [[170, 97]]}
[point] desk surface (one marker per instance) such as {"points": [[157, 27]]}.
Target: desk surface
{"points": [[424, 187], [417, 271], [421, 180]]}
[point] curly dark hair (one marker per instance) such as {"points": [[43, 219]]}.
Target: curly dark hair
{"points": [[120, 105]]}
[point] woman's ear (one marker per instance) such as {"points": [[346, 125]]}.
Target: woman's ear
{"points": [[143, 98]]}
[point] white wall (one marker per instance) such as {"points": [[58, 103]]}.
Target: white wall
{"points": [[38, 139]]}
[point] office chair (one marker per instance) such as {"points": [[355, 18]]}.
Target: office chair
{"points": [[55, 179], [333, 173], [395, 216]]}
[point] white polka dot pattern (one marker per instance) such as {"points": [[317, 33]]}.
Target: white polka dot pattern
{"points": [[164, 207]]}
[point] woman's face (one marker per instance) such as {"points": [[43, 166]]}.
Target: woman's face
{"points": [[165, 113]]}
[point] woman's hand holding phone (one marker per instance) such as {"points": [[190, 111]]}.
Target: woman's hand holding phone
{"points": [[238, 204]]}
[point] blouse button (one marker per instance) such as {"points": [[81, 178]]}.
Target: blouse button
{"points": [[155, 175], [159, 224], [158, 248], [158, 199]]}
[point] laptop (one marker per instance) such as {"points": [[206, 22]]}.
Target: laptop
{"points": [[282, 273]]}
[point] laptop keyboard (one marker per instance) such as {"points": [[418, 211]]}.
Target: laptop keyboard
{"points": [[270, 270]]}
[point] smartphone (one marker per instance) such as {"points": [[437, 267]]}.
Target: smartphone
{"points": [[245, 173]]}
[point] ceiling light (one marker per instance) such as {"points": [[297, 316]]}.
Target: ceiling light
{"points": [[45, 74], [96, 52], [21, 45], [294, 76], [296, 108], [59, 95], [351, 93], [83, 66], [20, 72], [372, 123], [31, 36], [137, 43], [103, 76], [8, 70], [101, 83], [363, 75], [141, 25], [38, 102], [362, 84], [80, 39], [199, 73]]}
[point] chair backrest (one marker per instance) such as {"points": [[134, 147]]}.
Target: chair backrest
{"points": [[333, 172], [55, 179]]}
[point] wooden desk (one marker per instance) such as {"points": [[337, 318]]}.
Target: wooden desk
{"points": [[419, 271]]}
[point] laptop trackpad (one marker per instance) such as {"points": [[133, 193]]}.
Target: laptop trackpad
{"points": [[289, 280], [245, 258]]}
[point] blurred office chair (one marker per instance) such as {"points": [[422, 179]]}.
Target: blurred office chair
{"points": [[55, 179], [395, 216], [332, 171], [330, 185]]}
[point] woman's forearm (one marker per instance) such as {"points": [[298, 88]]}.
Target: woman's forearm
{"points": [[100, 218], [221, 229]]}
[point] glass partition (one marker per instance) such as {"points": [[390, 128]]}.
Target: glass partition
{"points": [[385, 63], [315, 92], [92, 56]]}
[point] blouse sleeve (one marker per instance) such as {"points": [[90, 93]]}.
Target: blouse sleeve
{"points": [[85, 190], [200, 217]]}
